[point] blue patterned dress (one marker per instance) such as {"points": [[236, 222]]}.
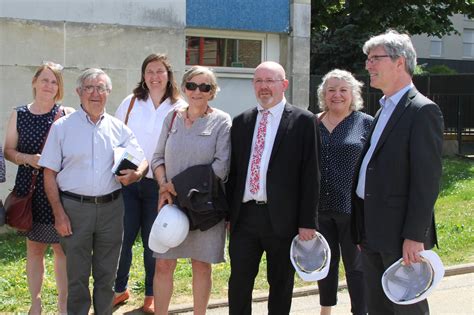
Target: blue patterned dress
{"points": [[32, 130]]}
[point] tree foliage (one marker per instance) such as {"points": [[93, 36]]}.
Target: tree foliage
{"points": [[340, 28]]}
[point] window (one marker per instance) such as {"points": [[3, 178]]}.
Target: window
{"points": [[436, 47], [223, 52], [468, 43]]}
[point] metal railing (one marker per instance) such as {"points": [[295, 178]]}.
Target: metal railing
{"points": [[454, 95]]}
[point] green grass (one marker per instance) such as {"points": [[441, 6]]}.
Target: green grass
{"points": [[454, 212], [455, 226]]}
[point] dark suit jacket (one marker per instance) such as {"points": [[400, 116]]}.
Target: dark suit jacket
{"points": [[293, 170], [200, 196], [402, 179]]}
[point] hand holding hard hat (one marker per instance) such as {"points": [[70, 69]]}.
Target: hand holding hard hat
{"points": [[170, 229], [311, 258], [404, 284]]}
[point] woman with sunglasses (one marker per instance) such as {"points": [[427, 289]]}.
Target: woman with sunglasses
{"points": [[144, 111], [27, 130], [195, 135]]}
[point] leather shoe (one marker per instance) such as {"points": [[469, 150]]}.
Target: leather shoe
{"points": [[149, 305], [119, 298]]}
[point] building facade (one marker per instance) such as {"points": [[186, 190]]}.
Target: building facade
{"points": [[232, 37], [455, 51]]}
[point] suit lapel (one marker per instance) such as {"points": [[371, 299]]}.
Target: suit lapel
{"points": [[371, 132], [404, 102], [282, 128]]}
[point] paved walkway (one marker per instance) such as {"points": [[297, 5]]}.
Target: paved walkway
{"points": [[453, 296]]}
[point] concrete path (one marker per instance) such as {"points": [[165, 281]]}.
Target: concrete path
{"points": [[453, 296]]}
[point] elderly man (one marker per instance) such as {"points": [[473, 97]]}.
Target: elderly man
{"points": [[397, 180], [84, 193], [273, 190]]}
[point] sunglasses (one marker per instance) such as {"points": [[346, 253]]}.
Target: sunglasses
{"points": [[203, 87]]}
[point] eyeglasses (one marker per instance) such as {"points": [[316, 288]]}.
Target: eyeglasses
{"points": [[376, 58], [53, 65], [266, 81], [203, 87], [89, 89]]}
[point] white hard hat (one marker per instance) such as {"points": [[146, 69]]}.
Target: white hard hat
{"points": [[311, 259], [411, 284], [170, 228]]}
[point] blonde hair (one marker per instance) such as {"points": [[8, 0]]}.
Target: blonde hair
{"points": [[56, 69]]}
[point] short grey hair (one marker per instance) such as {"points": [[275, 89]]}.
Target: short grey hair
{"points": [[356, 89], [396, 45], [93, 73], [198, 70]]}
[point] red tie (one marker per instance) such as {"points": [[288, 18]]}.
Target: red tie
{"points": [[257, 153]]}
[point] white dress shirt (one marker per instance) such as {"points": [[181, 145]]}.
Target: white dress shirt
{"points": [[388, 105], [82, 152], [146, 122], [273, 122]]}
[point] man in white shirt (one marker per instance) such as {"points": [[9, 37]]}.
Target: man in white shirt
{"points": [[84, 193], [273, 190]]}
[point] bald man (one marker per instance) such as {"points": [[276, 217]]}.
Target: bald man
{"points": [[273, 190]]}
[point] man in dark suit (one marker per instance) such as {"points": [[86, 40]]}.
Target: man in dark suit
{"points": [[273, 190], [397, 181]]}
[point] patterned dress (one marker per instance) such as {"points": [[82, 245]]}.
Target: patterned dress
{"points": [[32, 130]]}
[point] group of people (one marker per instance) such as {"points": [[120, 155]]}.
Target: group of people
{"points": [[367, 185]]}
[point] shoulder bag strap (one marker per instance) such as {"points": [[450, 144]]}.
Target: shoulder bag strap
{"points": [[35, 172], [172, 120], [132, 102]]}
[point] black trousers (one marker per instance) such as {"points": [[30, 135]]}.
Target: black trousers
{"points": [[335, 227], [374, 264], [252, 236]]}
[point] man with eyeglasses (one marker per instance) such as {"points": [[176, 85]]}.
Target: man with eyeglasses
{"points": [[273, 190], [84, 193], [397, 179]]}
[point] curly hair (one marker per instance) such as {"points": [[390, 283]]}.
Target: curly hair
{"points": [[356, 89]]}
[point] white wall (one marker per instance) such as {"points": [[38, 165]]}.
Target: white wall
{"points": [[151, 13], [76, 35]]}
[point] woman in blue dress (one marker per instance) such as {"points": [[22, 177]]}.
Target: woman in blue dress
{"points": [[27, 130], [343, 131]]}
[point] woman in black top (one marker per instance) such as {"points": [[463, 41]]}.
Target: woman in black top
{"points": [[343, 132]]}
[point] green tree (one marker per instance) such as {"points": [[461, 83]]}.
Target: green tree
{"points": [[340, 28]]}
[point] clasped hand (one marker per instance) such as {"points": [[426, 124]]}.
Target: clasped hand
{"points": [[167, 192]]}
